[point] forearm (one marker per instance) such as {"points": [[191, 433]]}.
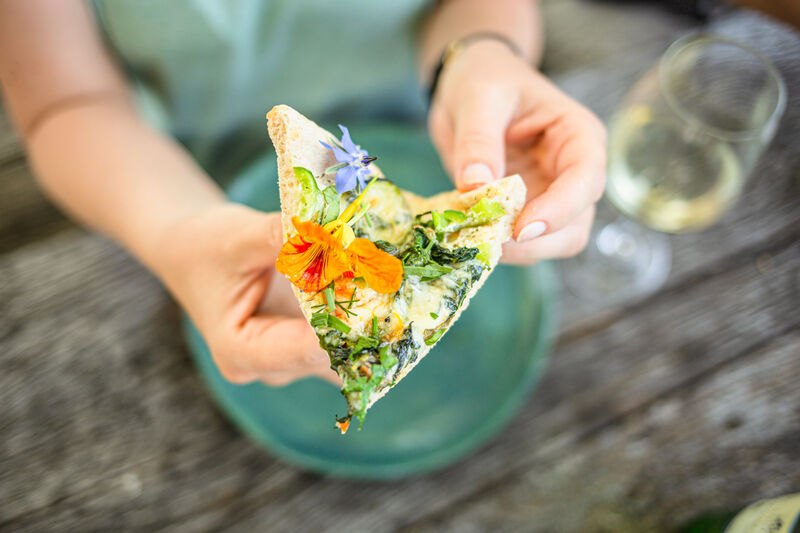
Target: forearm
{"points": [[110, 170], [451, 19]]}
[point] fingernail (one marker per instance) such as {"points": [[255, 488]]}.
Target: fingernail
{"points": [[477, 174], [531, 231]]}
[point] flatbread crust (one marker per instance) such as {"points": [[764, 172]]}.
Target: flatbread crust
{"points": [[297, 143]]}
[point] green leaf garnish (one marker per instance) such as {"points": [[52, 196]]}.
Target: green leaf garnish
{"points": [[364, 385], [443, 255], [434, 316], [435, 336], [331, 200], [374, 327], [418, 252], [330, 297], [484, 253], [337, 324], [483, 212], [387, 247], [428, 272], [311, 200], [344, 305], [438, 220], [322, 319], [364, 343], [387, 358], [451, 215]]}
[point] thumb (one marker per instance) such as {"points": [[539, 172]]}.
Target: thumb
{"points": [[479, 138], [261, 238]]}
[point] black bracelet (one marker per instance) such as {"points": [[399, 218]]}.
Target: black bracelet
{"points": [[457, 45]]}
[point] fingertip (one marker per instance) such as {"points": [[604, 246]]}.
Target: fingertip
{"points": [[475, 175], [531, 231], [331, 377], [532, 223], [519, 253], [317, 358]]}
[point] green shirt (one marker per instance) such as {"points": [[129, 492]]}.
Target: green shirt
{"points": [[209, 70]]}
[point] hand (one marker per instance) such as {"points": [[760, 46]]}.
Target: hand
{"points": [[492, 116], [219, 265]]}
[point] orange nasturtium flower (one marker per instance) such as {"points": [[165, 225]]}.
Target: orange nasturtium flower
{"points": [[317, 255], [311, 258]]}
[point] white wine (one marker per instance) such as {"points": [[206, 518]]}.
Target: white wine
{"points": [[668, 176]]}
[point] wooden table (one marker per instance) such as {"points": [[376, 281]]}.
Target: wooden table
{"points": [[651, 412]]}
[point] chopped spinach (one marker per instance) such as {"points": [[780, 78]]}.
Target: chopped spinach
{"points": [[364, 343], [442, 255], [454, 300], [358, 387], [418, 252], [426, 258], [405, 348], [474, 269], [387, 247], [333, 342]]}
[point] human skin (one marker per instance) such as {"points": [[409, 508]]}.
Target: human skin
{"points": [[104, 165], [493, 114]]}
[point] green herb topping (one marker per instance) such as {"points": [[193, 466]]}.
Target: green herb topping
{"points": [[431, 339], [322, 319], [483, 212]]}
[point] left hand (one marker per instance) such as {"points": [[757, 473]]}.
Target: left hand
{"points": [[493, 115]]}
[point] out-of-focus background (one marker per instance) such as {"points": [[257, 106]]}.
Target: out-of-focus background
{"points": [[651, 412]]}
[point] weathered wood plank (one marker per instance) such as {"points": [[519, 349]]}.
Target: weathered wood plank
{"points": [[106, 425], [10, 145], [712, 446], [770, 202], [25, 214], [593, 384], [109, 420], [581, 35], [88, 387]]}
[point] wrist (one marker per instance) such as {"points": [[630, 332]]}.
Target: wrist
{"points": [[161, 244], [490, 43]]}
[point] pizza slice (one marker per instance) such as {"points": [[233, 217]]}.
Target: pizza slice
{"points": [[381, 274]]}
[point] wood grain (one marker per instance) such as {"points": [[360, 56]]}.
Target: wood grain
{"points": [[109, 417], [27, 215], [626, 370], [10, 145], [730, 435], [651, 412]]}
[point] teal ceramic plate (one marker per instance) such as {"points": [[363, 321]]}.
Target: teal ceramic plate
{"points": [[461, 394]]}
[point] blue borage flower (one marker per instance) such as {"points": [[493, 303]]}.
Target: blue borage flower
{"points": [[352, 169]]}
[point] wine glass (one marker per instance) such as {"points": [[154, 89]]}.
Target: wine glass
{"points": [[680, 148]]}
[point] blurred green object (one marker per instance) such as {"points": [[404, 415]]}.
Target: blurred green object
{"points": [[465, 391], [773, 515], [208, 70]]}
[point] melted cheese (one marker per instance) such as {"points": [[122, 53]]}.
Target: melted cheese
{"points": [[424, 299], [368, 304]]}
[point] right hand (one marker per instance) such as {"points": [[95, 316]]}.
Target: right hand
{"points": [[218, 263]]}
